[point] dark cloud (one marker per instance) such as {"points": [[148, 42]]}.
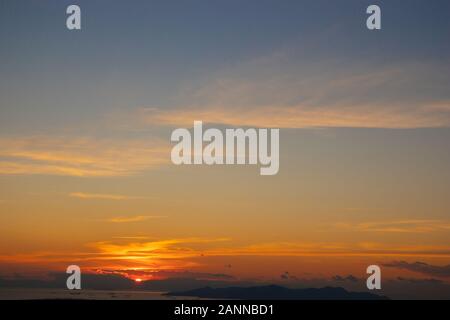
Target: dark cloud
{"points": [[287, 276], [419, 281], [421, 267], [350, 278]]}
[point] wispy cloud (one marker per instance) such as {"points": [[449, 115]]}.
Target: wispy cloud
{"points": [[398, 226], [126, 252], [181, 253], [157, 254], [131, 237], [301, 116], [133, 219], [326, 249], [102, 196], [82, 157], [350, 278], [285, 90]]}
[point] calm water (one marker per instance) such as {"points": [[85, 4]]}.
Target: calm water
{"points": [[32, 294]]}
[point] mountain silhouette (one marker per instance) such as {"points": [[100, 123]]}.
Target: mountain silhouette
{"points": [[274, 292]]}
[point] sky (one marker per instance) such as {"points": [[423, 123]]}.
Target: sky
{"points": [[364, 118]]}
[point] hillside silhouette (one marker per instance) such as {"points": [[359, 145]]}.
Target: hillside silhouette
{"points": [[274, 292]]}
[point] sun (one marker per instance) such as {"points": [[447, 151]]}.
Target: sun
{"points": [[138, 280]]}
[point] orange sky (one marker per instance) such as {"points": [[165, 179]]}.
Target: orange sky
{"points": [[85, 170]]}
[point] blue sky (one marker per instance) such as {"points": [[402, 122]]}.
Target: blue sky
{"points": [[155, 53]]}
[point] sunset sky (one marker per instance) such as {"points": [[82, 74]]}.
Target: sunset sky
{"points": [[86, 118]]}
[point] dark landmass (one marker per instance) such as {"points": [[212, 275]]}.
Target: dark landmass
{"points": [[273, 292]]}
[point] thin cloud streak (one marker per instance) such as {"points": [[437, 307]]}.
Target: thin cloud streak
{"points": [[398, 226], [80, 157], [296, 117], [101, 196], [133, 219]]}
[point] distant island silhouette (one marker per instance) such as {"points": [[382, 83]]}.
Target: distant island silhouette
{"points": [[274, 292]]}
